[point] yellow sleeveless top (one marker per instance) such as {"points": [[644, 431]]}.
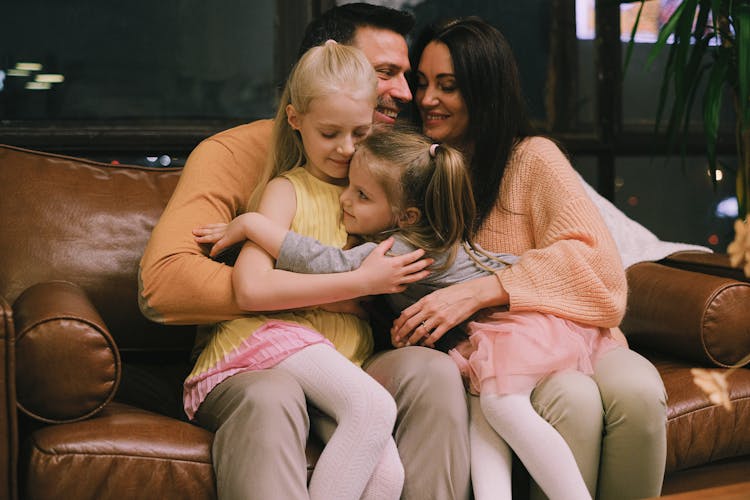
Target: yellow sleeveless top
{"points": [[318, 216]]}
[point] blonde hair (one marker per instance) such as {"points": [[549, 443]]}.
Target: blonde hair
{"points": [[415, 172], [324, 70]]}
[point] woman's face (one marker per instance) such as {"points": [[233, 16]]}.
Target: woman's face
{"points": [[445, 117]]}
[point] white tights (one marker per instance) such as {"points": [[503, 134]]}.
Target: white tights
{"points": [[540, 447], [360, 459]]}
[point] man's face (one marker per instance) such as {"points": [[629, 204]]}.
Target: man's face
{"points": [[387, 52]]}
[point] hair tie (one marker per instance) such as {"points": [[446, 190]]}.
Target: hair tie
{"points": [[433, 149], [330, 41]]}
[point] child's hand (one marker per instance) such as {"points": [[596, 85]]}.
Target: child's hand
{"points": [[210, 233], [380, 273], [221, 235]]}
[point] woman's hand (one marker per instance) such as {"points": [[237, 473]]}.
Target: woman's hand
{"points": [[382, 274], [428, 319]]}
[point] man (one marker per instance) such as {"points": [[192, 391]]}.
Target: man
{"points": [[260, 418]]}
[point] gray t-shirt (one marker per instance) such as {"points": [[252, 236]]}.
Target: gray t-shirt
{"points": [[302, 254]]}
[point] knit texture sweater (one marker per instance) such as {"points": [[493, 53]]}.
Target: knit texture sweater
{"points": [[569, 265], [178, 283]]}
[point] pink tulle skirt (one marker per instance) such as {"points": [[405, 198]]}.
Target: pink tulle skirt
{"points": [[512, 351]]}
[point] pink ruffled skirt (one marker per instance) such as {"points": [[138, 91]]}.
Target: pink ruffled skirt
{"points": [[512, 351], [265, 348]]}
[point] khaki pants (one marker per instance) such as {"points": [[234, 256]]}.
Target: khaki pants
{"points": [[614, 423], [261, 424]]}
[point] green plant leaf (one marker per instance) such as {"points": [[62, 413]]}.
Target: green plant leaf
{"points": [[701, 20], [664, 91], [698, 71], [693, 70], [631, 43], [682, 45], [678, 74], [665, 32], [694, 24], [712, 105]]}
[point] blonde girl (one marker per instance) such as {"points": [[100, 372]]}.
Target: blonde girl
{"points": [[401, 183], [326, 108]]}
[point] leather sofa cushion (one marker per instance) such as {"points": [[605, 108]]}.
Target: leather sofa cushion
{"points": [[68, 367], [86, 222], [699, 432], [707, 326], [124, 452]]}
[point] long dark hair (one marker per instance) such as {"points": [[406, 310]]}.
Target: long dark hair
{"points": [[487, 76]]}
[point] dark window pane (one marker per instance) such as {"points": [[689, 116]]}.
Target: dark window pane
{"points": [[170, 59]]}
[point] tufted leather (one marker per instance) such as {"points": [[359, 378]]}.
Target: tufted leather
{"points": [[87, 223]]}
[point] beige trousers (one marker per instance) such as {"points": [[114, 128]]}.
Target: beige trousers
{"points": [[261, 423], [614, 423]]}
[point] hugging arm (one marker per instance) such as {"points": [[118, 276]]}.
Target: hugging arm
{"points": [[178, 284], [570, 266], [259, 286]]}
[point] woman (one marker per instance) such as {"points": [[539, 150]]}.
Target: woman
{"points": [[531, 203]]}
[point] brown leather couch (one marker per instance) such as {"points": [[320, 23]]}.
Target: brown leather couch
{"points": [[90, 390]]}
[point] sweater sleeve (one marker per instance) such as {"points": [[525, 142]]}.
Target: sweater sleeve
{"points": [[571, 267], [302, 254], [178, 283]]}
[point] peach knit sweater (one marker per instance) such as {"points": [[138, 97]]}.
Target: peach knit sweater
{"points": [[569, 265]]}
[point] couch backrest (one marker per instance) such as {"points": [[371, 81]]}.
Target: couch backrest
{"points": [[64, 218]]}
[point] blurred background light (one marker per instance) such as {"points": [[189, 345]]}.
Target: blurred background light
{"points": [[728, 208], [29, 66], [38, 86], [49, 78]]}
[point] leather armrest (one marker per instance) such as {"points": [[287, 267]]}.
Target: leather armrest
{"points": [[716, 264], [67, 364], [687, 315]]}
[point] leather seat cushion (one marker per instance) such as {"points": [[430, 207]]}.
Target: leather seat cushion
{"points": [[123, 452], [697, 431]]}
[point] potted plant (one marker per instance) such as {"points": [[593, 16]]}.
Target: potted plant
{"points": [[709, 40]]}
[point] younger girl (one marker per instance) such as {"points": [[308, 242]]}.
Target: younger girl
{"points": [[325, 110], [401, 183]]}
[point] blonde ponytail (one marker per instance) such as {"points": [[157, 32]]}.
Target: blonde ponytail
{"points": [[328, 69]]}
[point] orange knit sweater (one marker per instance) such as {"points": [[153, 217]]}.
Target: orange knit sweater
{"points": [[569, 263], [178, 284]]}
